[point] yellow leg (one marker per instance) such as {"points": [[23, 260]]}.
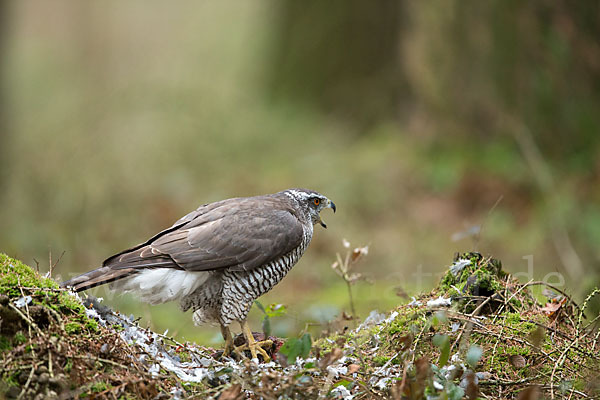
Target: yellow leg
{"points": [[252, 344], [228, 340]]}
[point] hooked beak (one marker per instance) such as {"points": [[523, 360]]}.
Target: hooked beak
{"points": [[330, 204]]}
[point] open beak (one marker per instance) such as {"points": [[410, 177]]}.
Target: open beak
{"points": [[330, 204]]}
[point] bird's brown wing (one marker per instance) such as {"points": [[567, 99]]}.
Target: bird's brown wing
{"points": [[240, 235]]}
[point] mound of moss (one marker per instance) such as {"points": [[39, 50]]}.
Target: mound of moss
{"points": [[478, 334], [50, 348]]}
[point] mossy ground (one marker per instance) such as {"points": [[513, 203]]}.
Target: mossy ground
{"points": [[49, 348], [521, 345], [53, 349]]}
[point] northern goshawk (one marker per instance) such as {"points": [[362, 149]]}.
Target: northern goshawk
{"points": [[218, 259]]}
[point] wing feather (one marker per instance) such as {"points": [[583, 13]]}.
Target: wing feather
{"points": [[241, 233]]}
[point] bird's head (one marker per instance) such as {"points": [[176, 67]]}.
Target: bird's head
{"points": [[313, 202]]}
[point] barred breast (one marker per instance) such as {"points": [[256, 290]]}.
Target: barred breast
{"points": [[241, 288]]}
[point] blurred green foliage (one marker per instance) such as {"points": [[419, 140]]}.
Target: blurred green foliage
{"points": [[414, 117]]}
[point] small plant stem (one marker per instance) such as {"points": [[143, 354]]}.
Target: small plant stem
{"points": [[349, 285]]}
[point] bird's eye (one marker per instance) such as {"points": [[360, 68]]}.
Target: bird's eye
{"points": [[316, 202]]}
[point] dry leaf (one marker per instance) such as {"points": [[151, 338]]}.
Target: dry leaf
{"points": [[399, 389], [405, 342], [530, 393], [472, 390], [423, 369], [553, 307], [423, 372], [537, 336], [517, 361], [352, 368], [233, 392], [331, 357]]}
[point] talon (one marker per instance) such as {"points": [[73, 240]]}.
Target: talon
{"points": [[255, 349], [252, 345]]}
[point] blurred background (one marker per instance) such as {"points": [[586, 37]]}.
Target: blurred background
{"points": [[436, 127]]}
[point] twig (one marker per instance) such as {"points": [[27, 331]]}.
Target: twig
{"points": [[502, 308], [45, 289], [105, 361], [27, 382], [469, 324], [414, 349], [56, 315], [50, 366], [535, 283], [52, 266], [17, 368], [29, 322], [491, 382]]}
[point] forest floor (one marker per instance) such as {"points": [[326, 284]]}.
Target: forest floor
{"points": [[478, 334]]}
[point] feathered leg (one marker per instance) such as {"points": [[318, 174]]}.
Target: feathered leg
{"points": [[228, 340]]}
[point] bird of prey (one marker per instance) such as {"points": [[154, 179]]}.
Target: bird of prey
{"points": [[218, 259]]}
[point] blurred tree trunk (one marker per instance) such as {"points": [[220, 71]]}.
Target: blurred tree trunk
{"points": [[539, 62], [340, 57]]}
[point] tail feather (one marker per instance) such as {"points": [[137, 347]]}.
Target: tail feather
{"points": [[98, 277]]}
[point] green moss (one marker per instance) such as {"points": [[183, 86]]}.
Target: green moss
{"points": [[8, 381], [405, 321], [67, 303], [98, 387], [481, 275], [327, 344], [20, 338], [5, 343], [14, 272], [73, 328], [380, 360], [514, 321], [92, 325], [68, 365]]}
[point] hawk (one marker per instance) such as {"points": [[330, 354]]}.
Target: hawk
{"points": [[218, 259]]}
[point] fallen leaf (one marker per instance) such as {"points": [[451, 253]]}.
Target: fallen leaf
{"points": [[517, 361], [331, 357], [233, 392], [399, 389], [537, 336], [553, 307], [405, 342], [423, 369], [352, 368], [530, 393], [472, 390], [423, 373]]}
